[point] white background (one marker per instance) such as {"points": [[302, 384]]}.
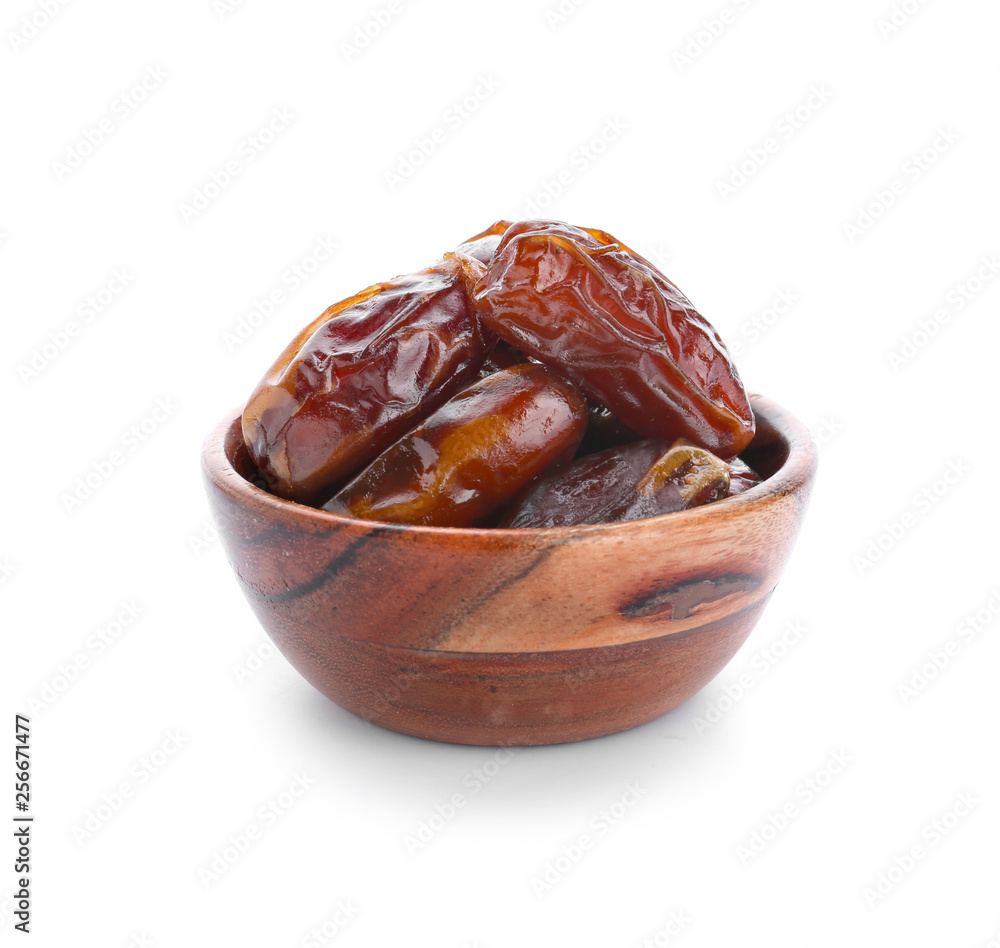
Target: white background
{"points": [[893, 560]]}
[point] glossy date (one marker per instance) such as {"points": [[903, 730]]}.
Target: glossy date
{"points": [[460, 394], [483, 246], [630, 482], [742, 477], [472, 454], [361, 375], [618, 328]]}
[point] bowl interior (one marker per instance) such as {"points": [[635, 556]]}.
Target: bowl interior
{"points": [[767, 454]]}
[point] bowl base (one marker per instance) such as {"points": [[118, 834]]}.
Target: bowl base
{"points": [[521, 699]]}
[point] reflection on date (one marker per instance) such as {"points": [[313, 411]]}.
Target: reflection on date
{"points": [[537, 375]]}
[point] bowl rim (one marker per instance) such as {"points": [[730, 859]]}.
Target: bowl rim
{"points": [[796, 471]]}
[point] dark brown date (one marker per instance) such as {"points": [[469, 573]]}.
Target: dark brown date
{"points": [[604, 430], [742, 477], [361, 375], [642, 479], [473, 454], [584, 303], [500, 356]]}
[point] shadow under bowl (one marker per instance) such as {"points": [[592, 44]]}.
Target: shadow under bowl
{"points": [[513, 637]]}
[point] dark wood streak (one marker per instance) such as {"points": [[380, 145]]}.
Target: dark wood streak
{"points": [[500, 677], [325, 575], [679, 602], [481, 600]]}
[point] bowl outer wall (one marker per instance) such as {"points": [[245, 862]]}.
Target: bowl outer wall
{"points": [[673, 632], [523, 698], [309, 574]]}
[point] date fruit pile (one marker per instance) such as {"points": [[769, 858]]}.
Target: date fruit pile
{"points": [[538, 375]]}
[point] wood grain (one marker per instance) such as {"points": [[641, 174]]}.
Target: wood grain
{"points": [[513, 636]]}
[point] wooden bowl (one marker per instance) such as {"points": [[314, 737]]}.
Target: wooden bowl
{"points": [[537, 636]]}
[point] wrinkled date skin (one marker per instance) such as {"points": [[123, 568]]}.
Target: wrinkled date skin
{"points": [[483, 246], [361, 375], [619, 329], [642, 479], [473, 454]]}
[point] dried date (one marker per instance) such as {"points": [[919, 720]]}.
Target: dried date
{"points": [[584, 303], [630, 482], [742, 477], [473, 454], [361, 375], [483, 246]]}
